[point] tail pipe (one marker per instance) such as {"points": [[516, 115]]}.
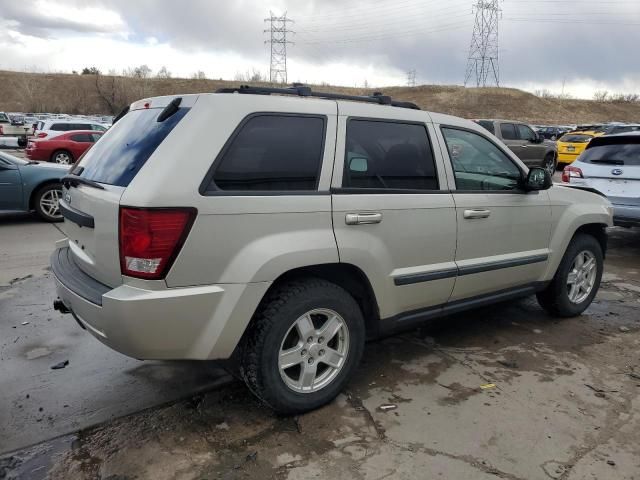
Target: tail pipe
{"points": [[60, 306]]}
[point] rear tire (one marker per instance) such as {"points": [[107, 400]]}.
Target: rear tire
{"points": [[550, 163], [62, 157], [45, 202], [574, 286], [283, 354]]}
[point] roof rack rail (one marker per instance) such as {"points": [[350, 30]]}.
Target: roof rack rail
{"points": [[305, 91]]}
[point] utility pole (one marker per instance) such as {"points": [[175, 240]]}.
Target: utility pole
{"points": [[278, 41], [482, 63], [411, 78]]}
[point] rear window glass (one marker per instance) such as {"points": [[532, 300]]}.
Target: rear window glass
{"points": [[508, 131], [617, 154], [124, 148], [575, 138], [272, 153], [487, 125]]}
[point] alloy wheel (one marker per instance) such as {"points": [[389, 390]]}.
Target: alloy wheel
{"points": [[582, 277], [63, 158], [49, 203], [314, 350]]}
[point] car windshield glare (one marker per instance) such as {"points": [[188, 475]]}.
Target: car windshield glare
{"points": [[575, 138]]}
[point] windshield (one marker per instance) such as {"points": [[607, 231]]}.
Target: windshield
{"points": [[11, 159], [620, 154], [124, 149], [575, 138]]}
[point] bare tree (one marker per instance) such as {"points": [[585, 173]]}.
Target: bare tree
{"points": [[199, 75], [601, 96], [163, 73]]}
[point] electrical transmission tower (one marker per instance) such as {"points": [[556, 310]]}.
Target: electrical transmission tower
{"points": [[278, 41], [411, 78], [482, 64]]}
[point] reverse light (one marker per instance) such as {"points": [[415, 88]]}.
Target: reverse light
{"points": [[151, 238], [570, 172]]}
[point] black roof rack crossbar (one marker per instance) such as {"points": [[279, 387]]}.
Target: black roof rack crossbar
{"points": [[305, 91]]}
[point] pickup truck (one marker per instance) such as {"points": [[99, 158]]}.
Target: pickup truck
{"points": [[529, 146], [9, 129]]}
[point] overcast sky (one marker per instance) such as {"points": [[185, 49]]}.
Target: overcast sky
{"points": [[586, 44]]}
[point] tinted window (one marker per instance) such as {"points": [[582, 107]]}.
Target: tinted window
{"points": [[627, 152], [81, 137], [389, 155], [127, 146], [488, 125], [272, 152], [60, 127], [508, 131], [478, 164], [525, 133], [575, 138]]}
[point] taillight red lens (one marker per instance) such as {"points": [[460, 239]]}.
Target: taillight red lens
{"points": [[151, 238], [41, 135], [1, 130], [570, 172]]}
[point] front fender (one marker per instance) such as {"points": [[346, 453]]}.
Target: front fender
{"points": [[571, 210]]}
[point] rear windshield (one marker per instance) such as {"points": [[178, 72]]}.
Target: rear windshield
{"points": [[572, 138], [487, 125], [618, 154], [125, 147]]}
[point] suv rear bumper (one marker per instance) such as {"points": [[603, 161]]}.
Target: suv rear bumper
{"points": [[626, 215], [198, 323]]}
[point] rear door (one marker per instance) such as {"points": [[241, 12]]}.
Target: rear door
{"points": [[393, 215], [79, 143], [510, 137], [91, 212], [532, 152]]}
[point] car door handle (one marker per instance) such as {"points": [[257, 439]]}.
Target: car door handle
{"points": [[471, 214], [524, 146], [362, 218]]}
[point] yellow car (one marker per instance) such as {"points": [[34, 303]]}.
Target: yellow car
{"points": [[572, 144]]}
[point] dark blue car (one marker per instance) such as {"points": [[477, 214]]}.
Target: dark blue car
{"points": [[28, 186]]}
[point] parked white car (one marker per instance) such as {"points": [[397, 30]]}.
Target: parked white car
{"points": [[303, 226], [52, 127], [611, 165]]}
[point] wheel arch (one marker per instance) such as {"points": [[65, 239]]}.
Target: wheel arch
{"points": [[64, 150]]}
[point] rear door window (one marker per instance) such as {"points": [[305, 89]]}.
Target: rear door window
{"points": [[487, 125], [272, 153], [508, 131], [81, 137], [60, 127], [127, 146], [388, 156]]}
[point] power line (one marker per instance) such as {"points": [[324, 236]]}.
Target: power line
{"points": [[482, 62], [278, 42]]}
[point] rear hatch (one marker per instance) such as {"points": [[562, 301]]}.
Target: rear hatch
{"points": [[611, 165], [93, 189], [573, 143]]}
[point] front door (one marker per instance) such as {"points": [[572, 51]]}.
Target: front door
{"points": [[393, 215], [503, 232], [10, 187], [532, 153]]}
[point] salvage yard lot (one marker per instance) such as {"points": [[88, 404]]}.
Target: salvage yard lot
{"points": [[501, 392]]}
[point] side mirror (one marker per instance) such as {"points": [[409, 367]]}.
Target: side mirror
{"points": [[537, 179], [539, 138], [359, 165]]}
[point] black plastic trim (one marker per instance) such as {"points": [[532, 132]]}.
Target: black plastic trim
{"points": [[497, 265], [412, 319], [460, 271], [69, 274], [425, 277], [74, 215], [204, 189]]}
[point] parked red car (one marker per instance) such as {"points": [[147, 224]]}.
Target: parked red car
{"points": [[64, 149]]}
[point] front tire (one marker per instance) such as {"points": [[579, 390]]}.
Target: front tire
{"points": [[577, 279], [302, 347], [45, 202]]}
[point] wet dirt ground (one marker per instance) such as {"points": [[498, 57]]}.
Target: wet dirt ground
{"points": [[500, 392]]}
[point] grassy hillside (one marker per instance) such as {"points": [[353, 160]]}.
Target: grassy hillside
{"points": [[88, 94]]}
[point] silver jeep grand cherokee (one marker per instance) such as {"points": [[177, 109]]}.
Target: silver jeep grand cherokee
{"points": [[303, 223]]}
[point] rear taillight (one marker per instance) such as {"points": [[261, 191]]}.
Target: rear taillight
{"points": [[570, 172], [41, 135], [1, 130], [151, 238]]}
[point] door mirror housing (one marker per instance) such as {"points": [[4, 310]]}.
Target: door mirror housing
{"points": [[539, 138], [537, 179]]}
